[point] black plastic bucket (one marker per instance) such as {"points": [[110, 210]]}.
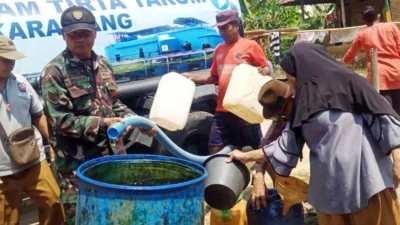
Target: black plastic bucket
{"points": [[225, 181]]}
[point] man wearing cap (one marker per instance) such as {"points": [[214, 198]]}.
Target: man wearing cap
{"points": [[80, 94], [20, 108], [227, 128]]}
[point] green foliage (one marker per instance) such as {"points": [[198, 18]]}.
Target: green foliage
{"points": [[269, 15], [316, 19]]}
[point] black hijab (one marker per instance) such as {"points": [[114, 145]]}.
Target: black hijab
{"points": [[324, 83]]}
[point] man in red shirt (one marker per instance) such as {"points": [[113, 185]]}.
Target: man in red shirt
{"points": [[227, 128]]}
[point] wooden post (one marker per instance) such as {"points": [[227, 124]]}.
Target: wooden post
{"points": [[387, 11], [302, 9], [374, 68], [343, 13]]}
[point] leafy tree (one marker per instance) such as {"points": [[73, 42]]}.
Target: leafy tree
{"points": [[269, 15], [263, 14], [317, 17]]}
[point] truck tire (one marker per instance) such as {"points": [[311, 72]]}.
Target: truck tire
{"points": [[193, 138]]}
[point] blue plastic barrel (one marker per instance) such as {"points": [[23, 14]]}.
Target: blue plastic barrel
{"points": [[140, 189]]}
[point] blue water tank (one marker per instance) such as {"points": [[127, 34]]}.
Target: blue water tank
{"points": [[168, 44], [140, 190]]}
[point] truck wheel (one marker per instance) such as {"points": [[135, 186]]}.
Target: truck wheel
{"points": [[193, 138]]}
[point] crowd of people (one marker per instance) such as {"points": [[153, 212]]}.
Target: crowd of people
{"points": [[353, 132]]}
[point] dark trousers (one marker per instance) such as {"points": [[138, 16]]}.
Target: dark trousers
{"points": [[229, 129], [393, 97]]}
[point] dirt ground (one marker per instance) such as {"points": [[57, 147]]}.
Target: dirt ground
{"points": [[302, 171]]}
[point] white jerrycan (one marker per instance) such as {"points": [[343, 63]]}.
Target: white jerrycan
{"points": [[172, 101], [241, 97]]}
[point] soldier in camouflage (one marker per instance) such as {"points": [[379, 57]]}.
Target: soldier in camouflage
{"points": [[80, 98]]}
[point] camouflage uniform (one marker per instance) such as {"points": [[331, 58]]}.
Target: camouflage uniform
{"points": [[78, 96]]}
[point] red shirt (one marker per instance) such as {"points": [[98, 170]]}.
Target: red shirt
{"points": [[228, 56], [385, 37]]}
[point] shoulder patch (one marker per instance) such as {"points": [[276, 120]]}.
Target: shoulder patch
{"points": [[21, 87], [53, 97]]}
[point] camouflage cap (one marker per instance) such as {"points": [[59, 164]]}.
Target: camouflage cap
{"points": [[76, 18], [8, 49]]}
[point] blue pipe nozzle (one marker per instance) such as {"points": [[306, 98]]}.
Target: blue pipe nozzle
{"points": [[118, 129]]}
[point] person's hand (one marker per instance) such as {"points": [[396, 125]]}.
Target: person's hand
{"points": [[52, 154], [259, 192], [187, 75], [255, 155], [265, 71], [238, 155], [129, 128], [150, 133], [396, 167], [1, 181], [111, 121]]}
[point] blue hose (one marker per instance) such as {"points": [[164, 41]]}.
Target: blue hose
{"points": [[118, 129]]}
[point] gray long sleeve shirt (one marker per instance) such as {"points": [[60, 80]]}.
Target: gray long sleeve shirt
{"points": [[349, 158]]}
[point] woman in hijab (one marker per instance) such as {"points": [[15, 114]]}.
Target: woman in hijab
{"points": [[385, 37], [351, 131]]}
